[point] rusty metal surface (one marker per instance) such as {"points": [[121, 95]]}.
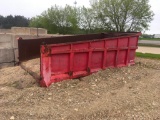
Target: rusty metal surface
{"points": [[30, 48]]}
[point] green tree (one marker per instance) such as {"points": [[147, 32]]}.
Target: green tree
{"points": [[57, 20], [8, 22], [87, 21], [73, 17], [1, 21], [13, 21], [102, 16], [20, 21], [37, 21], [123, 15]]}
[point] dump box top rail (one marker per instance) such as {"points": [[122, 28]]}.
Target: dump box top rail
{"points": [[30, 48]]}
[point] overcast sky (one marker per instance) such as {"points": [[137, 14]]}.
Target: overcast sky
{"points": [[31, 8]]}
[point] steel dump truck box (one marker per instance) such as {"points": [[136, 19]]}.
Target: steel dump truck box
{"points": [[80, 57]]}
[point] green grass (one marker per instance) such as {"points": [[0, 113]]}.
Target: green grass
{"points": [[157, 39], [148, 55], [148, 45]]}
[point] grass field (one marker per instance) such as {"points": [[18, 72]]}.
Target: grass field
{"points": [[148, 55], [148, 45], [156, 39]]}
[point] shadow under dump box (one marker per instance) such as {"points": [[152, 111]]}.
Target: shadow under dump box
{"points": [[68, 57]]}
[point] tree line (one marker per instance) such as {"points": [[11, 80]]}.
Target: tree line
{"points": [[101, 16], [13, 21]]}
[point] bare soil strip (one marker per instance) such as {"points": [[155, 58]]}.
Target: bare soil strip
{"points": [[152, 50]]}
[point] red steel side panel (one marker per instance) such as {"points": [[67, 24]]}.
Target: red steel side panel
{"points": [[72, 60]]}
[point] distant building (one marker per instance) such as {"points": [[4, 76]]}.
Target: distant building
{"points": [[147, 36], [157, 36]]}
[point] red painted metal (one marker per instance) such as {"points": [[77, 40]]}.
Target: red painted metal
{"points": [[76, 59]]}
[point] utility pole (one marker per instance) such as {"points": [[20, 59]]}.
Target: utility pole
{"points": [[75, 14], [75, 3]]}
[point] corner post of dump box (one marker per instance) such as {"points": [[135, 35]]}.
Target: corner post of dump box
{"points": [[45, 65]]}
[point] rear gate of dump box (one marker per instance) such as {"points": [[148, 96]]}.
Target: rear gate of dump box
{"points": [[72, 60]]}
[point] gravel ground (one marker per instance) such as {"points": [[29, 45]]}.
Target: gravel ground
{"points": [[127, 93]]}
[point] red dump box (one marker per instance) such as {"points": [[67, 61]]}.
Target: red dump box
{"points": [[62, 61]]}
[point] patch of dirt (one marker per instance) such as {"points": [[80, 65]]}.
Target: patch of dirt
{"points": [[113, 94], [32, 67]]}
